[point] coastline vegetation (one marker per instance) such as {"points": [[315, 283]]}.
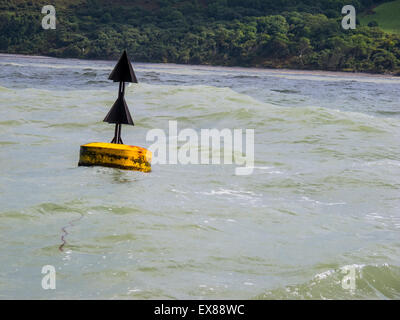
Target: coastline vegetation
{"points": [[298, 34]]}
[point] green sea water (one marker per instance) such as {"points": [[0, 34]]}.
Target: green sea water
{"points": [[324, 195]]}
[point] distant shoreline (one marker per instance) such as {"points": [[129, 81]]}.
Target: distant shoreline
{"points": [[238, 68]]}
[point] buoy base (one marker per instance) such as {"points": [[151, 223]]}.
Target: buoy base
{"points": [[116, 156]]}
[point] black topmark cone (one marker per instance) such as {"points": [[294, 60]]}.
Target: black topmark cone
{"points": [[119, 113]]}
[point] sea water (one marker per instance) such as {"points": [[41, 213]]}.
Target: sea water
{"points": [[324, 196]]}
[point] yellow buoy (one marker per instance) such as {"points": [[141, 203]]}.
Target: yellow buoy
{"points": [[116, 156]]}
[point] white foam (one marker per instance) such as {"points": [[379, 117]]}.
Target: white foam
{"points": [[323, 203]]}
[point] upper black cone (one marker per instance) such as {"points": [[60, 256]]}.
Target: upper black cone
{"points": [[123, 71], [119, 113]]}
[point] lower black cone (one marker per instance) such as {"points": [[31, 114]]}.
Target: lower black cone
{"points": [[119, 113]]}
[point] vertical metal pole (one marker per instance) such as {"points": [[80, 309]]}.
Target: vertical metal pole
{"points": [[114, 140], [121, 93], [120, 89], [119, 135]]}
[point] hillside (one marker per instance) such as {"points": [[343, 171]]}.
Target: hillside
{"points": [[385, 15], [298, 34]]}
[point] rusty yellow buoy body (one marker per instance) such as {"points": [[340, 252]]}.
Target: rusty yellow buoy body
{"points": [[116, 156]]}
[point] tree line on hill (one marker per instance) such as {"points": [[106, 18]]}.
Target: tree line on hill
{"points": [[297, 34]]}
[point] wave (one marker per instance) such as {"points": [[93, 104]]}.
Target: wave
{"points": [[56, 66], [244, 76], [199, 104], [371, 282], [316, 76], [388, 112], [90, 82], [354, 121], [4, 89], [285, 91]]}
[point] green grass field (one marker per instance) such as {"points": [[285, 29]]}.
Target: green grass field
{"points": [[387, 15]]}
